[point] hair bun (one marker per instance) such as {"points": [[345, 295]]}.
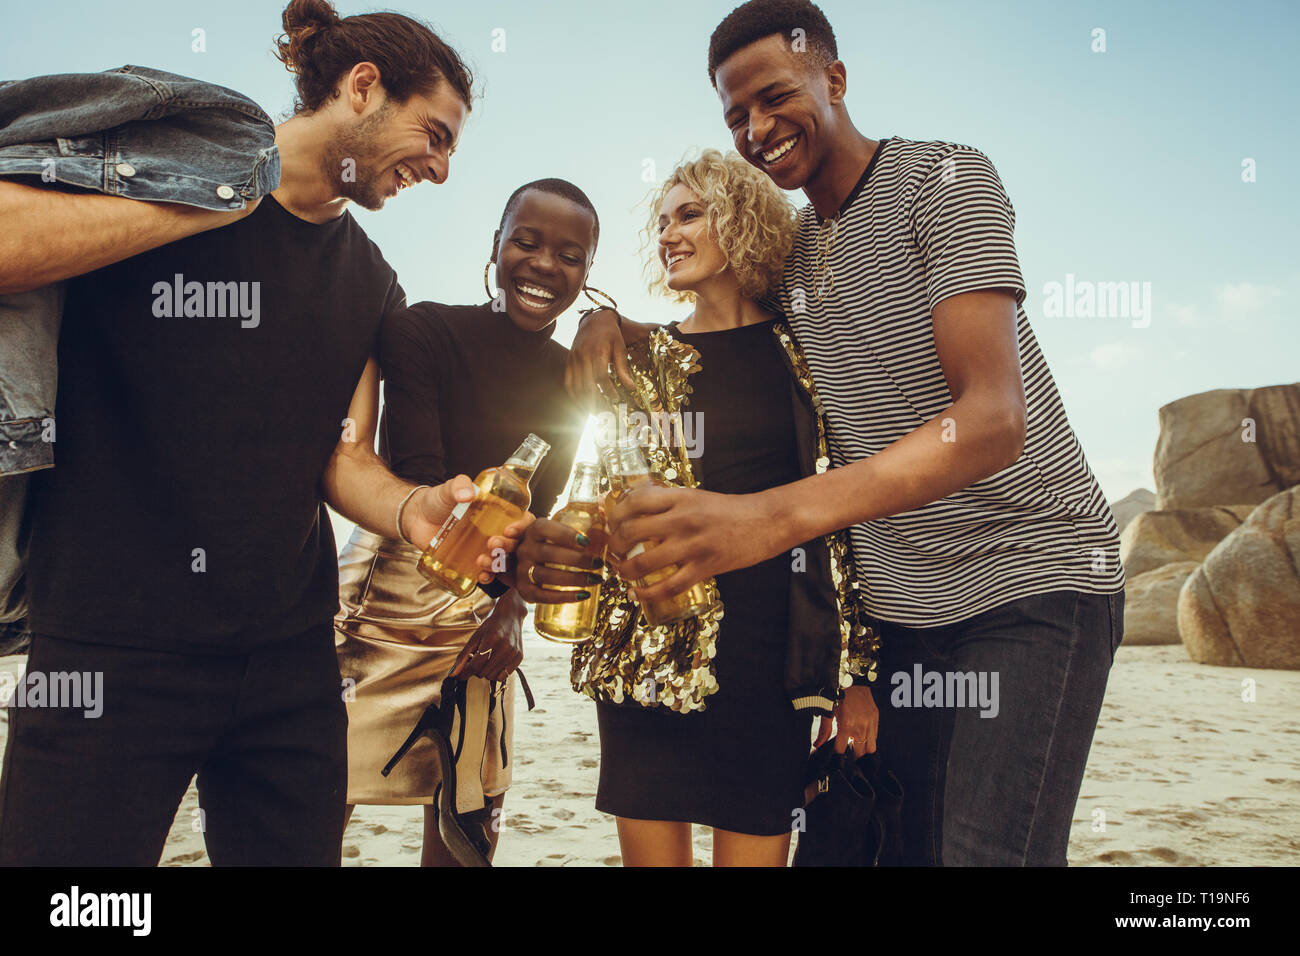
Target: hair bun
{"points": [[308, 14], [320, 48], [303, 21]]}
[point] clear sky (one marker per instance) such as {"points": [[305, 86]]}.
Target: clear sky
{"points": [[1124, 165]]}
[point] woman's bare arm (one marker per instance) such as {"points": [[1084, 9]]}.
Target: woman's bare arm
{"points": [[602, 341]]}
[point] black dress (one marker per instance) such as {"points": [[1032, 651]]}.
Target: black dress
{"points": [[737, 765], [463, 386]]}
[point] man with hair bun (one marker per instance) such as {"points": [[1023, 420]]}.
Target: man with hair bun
{"points": [[213, 393], [981, 538]]}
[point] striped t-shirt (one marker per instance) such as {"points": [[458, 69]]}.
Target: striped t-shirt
{"points": [[927, 221]]}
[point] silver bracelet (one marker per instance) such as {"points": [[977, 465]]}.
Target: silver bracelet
{"points": [[402, 507]]}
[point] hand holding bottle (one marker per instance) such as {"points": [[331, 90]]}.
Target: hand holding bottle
{"points": [[452, 560], [429, 507], [699, 534], [685, 596], [548, 542]]}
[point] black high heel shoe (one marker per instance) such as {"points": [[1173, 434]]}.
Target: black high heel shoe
{"points": [[467, 842], [466, 839]]}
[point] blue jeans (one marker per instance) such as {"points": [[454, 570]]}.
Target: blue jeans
{"points": [[988, 723]]}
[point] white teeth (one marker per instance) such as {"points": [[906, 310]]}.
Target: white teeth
{"points": [[536, 292], [677, 257], [407, 175], [774, 155]]}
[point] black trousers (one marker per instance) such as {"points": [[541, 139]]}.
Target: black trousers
{"points": [[265, 731]]}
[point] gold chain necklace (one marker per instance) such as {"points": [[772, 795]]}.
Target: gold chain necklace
{"points": [[823, 275]]}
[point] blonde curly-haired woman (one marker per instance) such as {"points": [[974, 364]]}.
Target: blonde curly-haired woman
{"points": [[719, 233]]}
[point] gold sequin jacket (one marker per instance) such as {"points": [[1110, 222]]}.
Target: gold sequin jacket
{"points": [[833, 641]]}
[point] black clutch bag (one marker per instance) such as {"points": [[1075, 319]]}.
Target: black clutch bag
{"points": [[853, 812]]}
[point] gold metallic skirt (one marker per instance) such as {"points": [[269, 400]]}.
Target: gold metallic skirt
{"points": [[397, 637]]}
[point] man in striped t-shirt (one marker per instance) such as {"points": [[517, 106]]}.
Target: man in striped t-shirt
{"points": [[981, 538]]}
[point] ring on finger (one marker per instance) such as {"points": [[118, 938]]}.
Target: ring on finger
{"points": [[581, 572]]}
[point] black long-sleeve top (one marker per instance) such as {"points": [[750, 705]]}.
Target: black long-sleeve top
{"points": [[463, 386]]}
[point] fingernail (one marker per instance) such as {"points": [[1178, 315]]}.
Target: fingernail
{"points": [[582, 540], [597, 563], [594, 579], [583, 595]]}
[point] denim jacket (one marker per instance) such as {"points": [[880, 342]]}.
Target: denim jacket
{"points": [[132, 132]]}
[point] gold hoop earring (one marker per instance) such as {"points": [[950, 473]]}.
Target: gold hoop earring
{"points": [[588, 290], [487, 288]]}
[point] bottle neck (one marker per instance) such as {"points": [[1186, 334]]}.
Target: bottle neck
{"points": [[523, 472], [523, 463], [631, 464], [586, 484]]}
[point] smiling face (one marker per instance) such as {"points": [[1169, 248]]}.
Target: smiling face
{"points": [[780, 109], [543, 253], [688, 250], [395, 146]]}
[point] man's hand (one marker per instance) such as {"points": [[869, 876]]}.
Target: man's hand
{"points": [[551, 543], [497, 647], [601, 341], [856, 720], [705, 534], [429, 508]]}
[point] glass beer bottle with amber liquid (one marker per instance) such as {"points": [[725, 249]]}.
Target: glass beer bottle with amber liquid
{"points": [[632, 473], [451, 560], [609, 464], [572, 623]]}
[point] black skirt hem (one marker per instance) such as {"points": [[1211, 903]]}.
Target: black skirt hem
{"points": [[699, 819]]}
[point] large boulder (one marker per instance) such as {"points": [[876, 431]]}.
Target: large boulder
{"points": [[1151, 604], [1131, 505], [1229, 446], [1241, 607], [1157, 538]]}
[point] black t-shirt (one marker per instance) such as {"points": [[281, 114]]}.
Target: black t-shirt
{"points": [[463, 386], [202, 389]]}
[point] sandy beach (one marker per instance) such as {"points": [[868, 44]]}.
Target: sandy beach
{"points": [[1183, 772]]}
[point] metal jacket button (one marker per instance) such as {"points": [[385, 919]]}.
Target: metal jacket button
{"points": [[125, 169], [225, 192]]}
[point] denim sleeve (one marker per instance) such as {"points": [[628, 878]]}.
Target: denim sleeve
{"points": [[141, 134]]}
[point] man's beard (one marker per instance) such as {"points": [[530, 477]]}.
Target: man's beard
{"points": [[353, 161]]}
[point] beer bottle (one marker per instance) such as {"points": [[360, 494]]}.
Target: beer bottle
{"points": [[451, 560], [633, 472], [571, 623], [609, 465]]}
